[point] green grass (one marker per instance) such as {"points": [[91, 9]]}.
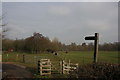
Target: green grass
{"points": [[77, 57], [31, 61], [110, 57], [83, 57]]}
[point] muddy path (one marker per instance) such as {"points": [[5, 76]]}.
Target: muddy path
{"points": [[14, 72]]}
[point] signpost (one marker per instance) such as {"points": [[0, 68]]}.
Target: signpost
{"points": [[96, 41]]}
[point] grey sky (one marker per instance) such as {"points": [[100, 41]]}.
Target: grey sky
{"points": [[69, 22]]}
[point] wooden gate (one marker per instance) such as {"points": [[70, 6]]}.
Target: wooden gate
{"points": [[44, 66], [67, 67]]}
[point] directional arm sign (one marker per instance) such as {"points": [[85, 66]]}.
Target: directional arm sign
{"points": [[90, 38]]}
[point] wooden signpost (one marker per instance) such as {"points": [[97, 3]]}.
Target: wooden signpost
{"points": [[96, 41]]}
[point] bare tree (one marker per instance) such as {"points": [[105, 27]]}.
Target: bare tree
{"points": [[2, 27]]}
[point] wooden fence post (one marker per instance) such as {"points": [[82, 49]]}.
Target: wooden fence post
{"points": [[61, 64], [16, 57], [96, 48], [38, 66], [61, 67], [7, 57], [23, 58]]}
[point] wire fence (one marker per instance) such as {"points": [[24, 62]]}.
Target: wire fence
{"points": [[32, 58]]}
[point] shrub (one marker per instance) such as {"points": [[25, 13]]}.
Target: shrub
{"points": [[97, 71]]}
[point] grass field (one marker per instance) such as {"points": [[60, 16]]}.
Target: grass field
{"points": [[87, 57], [74, 56], [84, 57]]}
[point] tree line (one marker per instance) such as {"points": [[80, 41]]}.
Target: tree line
{"points": [[38, 43]]}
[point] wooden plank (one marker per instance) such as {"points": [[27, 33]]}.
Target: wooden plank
{"points": [[90, 38], [65, 72], [73, 67], [45, 60], [46, 70], [46, 73], [45, 65], [68, 67], [74, 64]]}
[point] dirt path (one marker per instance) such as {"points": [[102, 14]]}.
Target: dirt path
{"points": [[13, 71]]}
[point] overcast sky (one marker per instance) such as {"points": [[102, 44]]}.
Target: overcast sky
{"points": [[69, 22]]}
